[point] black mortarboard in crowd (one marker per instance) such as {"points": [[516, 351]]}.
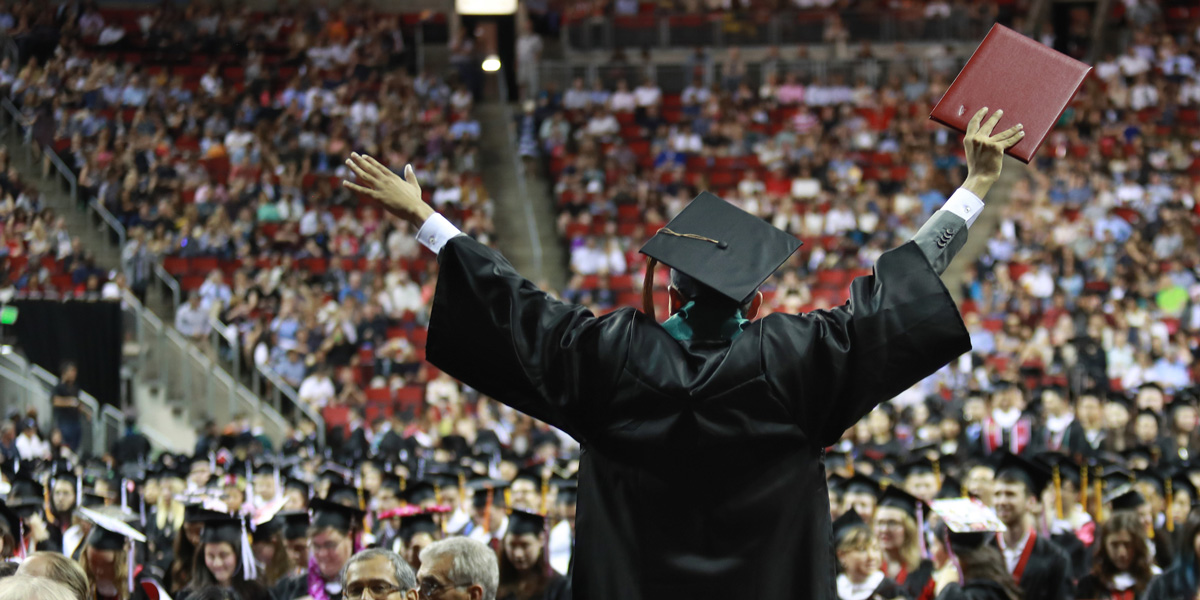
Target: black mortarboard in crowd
{"points": [[1014, 467], [721, 246], [522, 522], [346, 494], [861, 484], [420, 491], [898, 498], [111, 530], [333, 515], [295, 524], [291, 483], [951, 488], [1125, 498], [1152, 479], [419, 523], [481, 488], [197, 513], [568, 493], [843, 525], [227, 529]]}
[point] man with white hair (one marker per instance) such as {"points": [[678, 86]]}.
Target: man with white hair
{"points": [[458, 568], [379, 573]]}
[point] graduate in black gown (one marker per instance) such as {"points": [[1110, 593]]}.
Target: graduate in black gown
{"points": [[1180, 582], [898, 530], [525, 572], [858, 557], [1123, 569], [1041, 568], [659, 407], [981, 569], [109, 556], [225, 560], [333, 538]]}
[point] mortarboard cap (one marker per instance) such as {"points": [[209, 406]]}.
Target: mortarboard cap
{"points": [[568, 492], [199, 513], [917, 466], [295, 524], [843, 525], [521, 522], [1180, 483], [969, 523], [227, 529], [951, 488], [420, 491], [9, 519], [1152, 479], [861, 484], [334, 515], [344, 493], [1014, 467], [422, 522], [898, 498], [389, 481], [1125, 498], [111, 530], [481, 488], [723, 247]]}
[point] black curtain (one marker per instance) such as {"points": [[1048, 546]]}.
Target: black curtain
{"points": [[86, 333]]}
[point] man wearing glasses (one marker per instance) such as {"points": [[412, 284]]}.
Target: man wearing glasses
{"points": [[458, 568], [377, 574]]}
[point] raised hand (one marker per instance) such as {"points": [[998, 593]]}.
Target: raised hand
{"points": [[985, 152], [401, 196]]}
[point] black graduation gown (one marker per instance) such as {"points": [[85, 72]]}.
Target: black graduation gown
{"points": [[1164, 551], [702, 472], [292, 587], [977, 589], [558, 588], [919, 581], [1047, 574], [1092, 588], [1171, 585], [1080, 555]]}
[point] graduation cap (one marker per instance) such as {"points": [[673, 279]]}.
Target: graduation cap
{"points": [[497, 488], [969, 523], [951, 488], [568, 493], [895, 497], [335, 473], [344, 493], [326, 514], [843, 525], [522, 522], [224, 529], [921, 465], [861, 484], [295, 523], [1152, 479], [727, 249], [1016, 468], [1138, 453], [422, 522], [393, 482], [1125, 498], [419, 491], [292, 483], [200, 513], [24, 486]]}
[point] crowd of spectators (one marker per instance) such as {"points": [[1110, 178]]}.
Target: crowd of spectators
{"points": [[216, 136]]}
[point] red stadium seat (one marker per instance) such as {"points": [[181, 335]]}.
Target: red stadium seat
{"points": [[175, 265]]}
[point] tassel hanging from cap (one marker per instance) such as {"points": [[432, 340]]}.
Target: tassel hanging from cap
{"points": [[1058, 500], [249, 567], [1097, 491], [46, 502], [487, 511], [937, 472], [1170, 512], [1083, 488], [545, 492], [78, 491], [648, 288], [462, 488]]}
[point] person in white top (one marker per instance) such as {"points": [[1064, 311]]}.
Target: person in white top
{"points": [[317, 389], [29, 444], [622, 100]]}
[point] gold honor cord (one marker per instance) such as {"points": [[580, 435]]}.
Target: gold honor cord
{"points": [[648, 284]]}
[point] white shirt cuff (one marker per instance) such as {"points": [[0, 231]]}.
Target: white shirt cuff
{"points": [[436, 232], [965, 204]]}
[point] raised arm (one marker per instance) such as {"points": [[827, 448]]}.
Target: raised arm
{"points": [[900, 324]]}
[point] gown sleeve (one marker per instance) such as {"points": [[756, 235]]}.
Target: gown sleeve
{"points": [[899, 326], [498, 333]]}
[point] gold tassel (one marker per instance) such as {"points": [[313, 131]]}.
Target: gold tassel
{"points": [[648, 288], [487, 511], [937, 472], [545, 491], [1099, 494], [1058, 503], [850, 464], [462, 487], [1170, 513], [1083, 487]]}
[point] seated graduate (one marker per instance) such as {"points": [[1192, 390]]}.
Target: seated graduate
{"points": [[271, 552], [1121, 569], [416, 533], [898, 528], [525, 572], [981, 573], [108, 555], [859, 559], [333, 539], [27, 499], [1180, 580], [225, 559]]}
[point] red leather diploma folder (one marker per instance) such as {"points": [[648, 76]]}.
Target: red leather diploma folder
{"points": [[1031, 82]]}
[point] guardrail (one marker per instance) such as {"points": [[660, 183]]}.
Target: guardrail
{"points": [[674, 78], [36, 385], [769, 29]]}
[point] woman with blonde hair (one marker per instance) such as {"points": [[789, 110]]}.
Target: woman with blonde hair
{"points": [[859, 576], [899, 533], [106, 559]]}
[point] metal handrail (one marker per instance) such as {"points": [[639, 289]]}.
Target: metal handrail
{"points": [[171, 283], [229, 334], [112, 222]]}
